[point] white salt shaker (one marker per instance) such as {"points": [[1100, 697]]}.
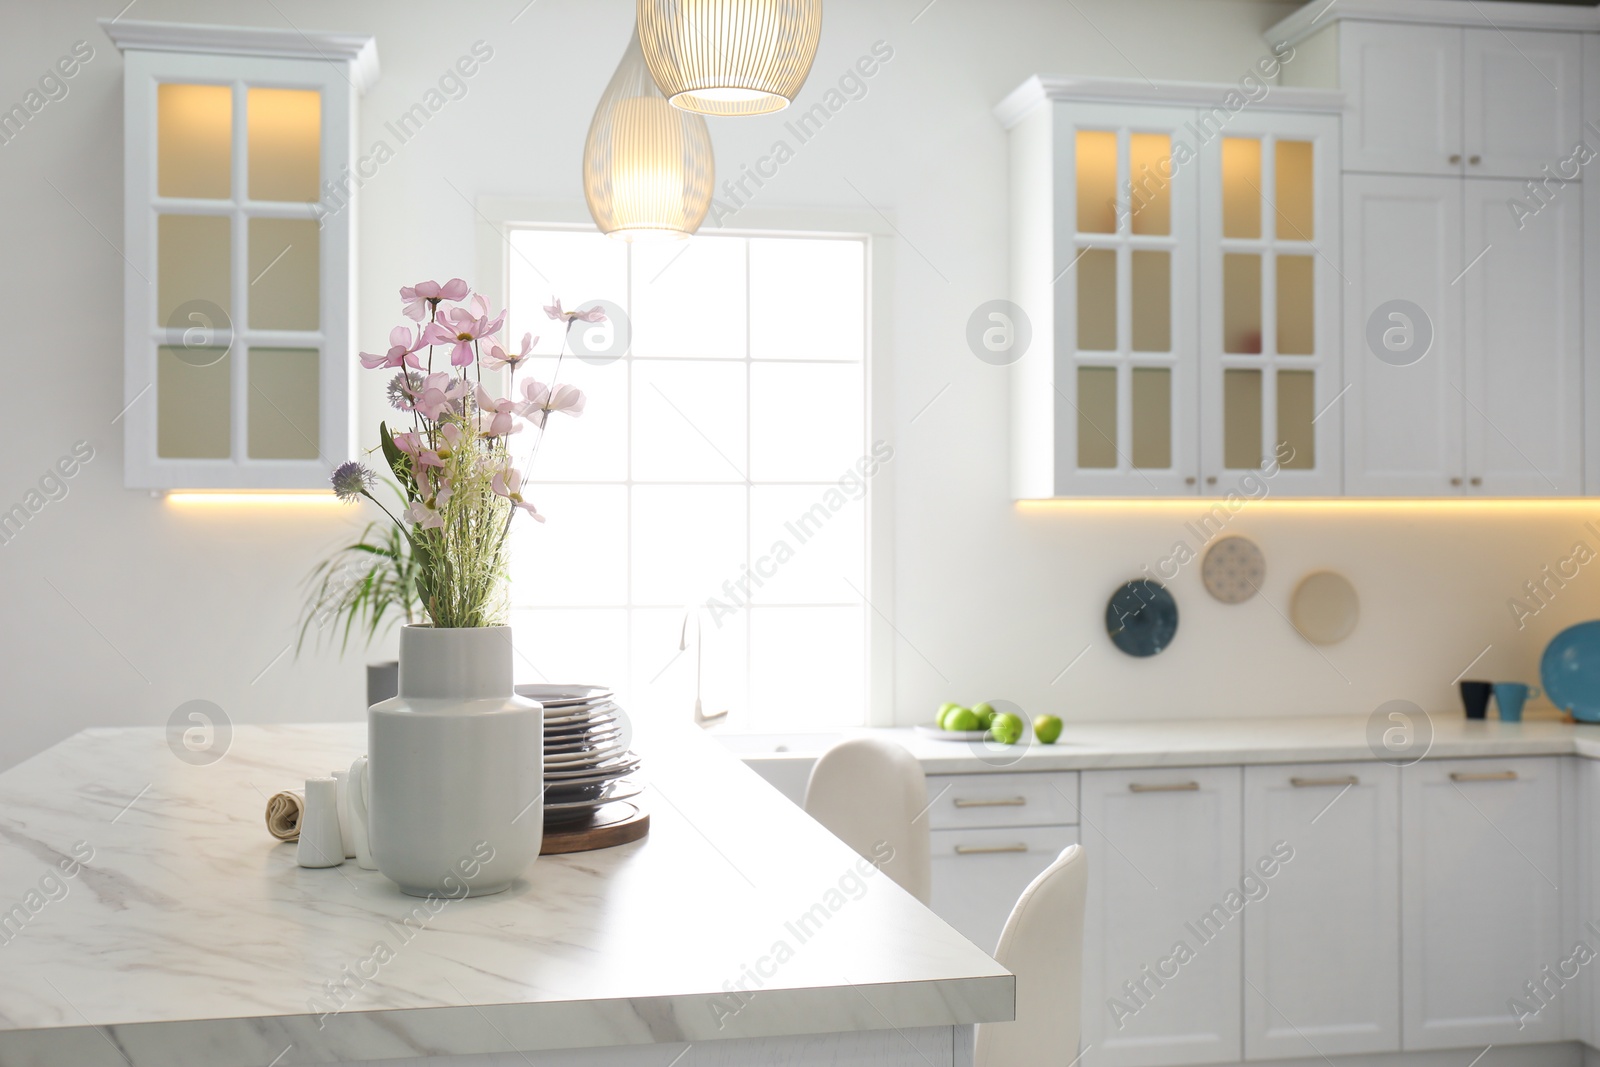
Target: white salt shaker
{"points": [[320, 842], [346, 832]]}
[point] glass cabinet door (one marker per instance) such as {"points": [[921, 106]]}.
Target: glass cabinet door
{"points": [[1126, 237], [1269, 290], [216, 302]]}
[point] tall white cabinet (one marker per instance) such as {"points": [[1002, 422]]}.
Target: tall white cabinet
{"points": [[1463, 220]]}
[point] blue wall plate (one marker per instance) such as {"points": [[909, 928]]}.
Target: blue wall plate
{"points": [[1570, 671], [1142, 617]]}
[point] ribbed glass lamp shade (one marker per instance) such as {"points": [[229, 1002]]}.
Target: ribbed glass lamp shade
{"points": [[730, 57], [647, 166]]}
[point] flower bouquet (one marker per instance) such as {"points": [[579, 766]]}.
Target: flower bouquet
{"points": [[453, 452]]}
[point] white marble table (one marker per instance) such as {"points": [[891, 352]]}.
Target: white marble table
{"points": [[187, 936]]}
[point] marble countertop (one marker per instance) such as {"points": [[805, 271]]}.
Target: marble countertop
{"points": [[1218, 742], [146, 917]]}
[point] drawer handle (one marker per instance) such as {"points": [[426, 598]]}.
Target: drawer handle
{"points": [[1490, 776], [1175, 787], [999, 802], [984, 850], [1313, 783]]}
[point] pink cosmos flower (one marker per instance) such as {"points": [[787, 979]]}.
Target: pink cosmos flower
{"points": [[438, 395], [402, 352], [450, 435], [413, 445], [424, 296], [594, 314], [460, 327], [508, 483], [497, 417], [497, 357], [424, 516], [537, 397]]}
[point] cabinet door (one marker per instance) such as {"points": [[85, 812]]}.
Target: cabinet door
{"points": [[1322, 942], [1522, 113], [1124, 292], [1404, 107], [1481, 911], [1162, 938], [979, 874], [1402, 413], [1269, 305], [1522, 340], [1591, 280]]}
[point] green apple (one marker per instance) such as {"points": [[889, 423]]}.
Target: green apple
{"points": [[1006, 728], [944, 709], [961, 719], [1047, 728], [985, 713]]}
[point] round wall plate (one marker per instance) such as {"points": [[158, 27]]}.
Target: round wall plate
{"points": [[1233, 570], [1141, 617], [1325, 607]]}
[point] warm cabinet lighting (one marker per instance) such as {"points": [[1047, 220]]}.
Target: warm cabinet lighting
{"points": [[730, 57], [1244, 501], [647, 166]]}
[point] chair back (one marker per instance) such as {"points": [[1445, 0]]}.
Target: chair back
{"points": [[1042, 944], [872, 795]]}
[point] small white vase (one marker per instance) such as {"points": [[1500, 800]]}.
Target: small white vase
{"points": [[455, 767]]}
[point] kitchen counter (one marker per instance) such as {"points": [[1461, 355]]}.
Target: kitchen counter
{"points": [[183, 934], [1205, 743]]}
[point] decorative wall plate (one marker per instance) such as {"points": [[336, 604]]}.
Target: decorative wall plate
{"points": [[1141, 617], [1325, 607], [1233, 569]]}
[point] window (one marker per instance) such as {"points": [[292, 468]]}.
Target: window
{"points": [[717, 484]]}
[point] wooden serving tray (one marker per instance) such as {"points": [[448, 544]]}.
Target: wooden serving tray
{"points": [[612, 825]]}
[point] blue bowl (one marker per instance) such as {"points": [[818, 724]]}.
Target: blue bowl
{"points": [[1570, 671]]}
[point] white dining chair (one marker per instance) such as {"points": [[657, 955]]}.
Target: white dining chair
{"points": [[873, 796], [1042, 944]]}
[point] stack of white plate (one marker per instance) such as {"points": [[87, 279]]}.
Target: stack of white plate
{"points": [[586, 756]]}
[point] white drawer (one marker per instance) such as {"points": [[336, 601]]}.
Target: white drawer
{"points": [[979, 874], [1007, 798]]}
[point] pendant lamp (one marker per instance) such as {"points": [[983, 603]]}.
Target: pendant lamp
{"points": [[647, 166], [730, 57]]}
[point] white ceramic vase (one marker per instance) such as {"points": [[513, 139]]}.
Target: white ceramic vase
{"points": [[455, 767]]}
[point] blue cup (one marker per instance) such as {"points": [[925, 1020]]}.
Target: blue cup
{"points": [[1509, 697]]}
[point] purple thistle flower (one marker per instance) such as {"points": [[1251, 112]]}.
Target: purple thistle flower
{"points": [[351, 481]]}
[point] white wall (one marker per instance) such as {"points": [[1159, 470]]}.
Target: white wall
{"points": [[119, 607]]}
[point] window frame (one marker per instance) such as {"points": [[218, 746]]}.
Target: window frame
{"points": [[496, 216]]}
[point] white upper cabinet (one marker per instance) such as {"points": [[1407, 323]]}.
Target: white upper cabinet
{"points": [[1522, 343], [1269, 289], [1176, 259], [238, 222], [1104, 256], [1522, 95], [1402, 336], [1443, 89], [1405, 103]]}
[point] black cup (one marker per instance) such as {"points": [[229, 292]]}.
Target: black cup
{"points": [[1475, 695]]}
